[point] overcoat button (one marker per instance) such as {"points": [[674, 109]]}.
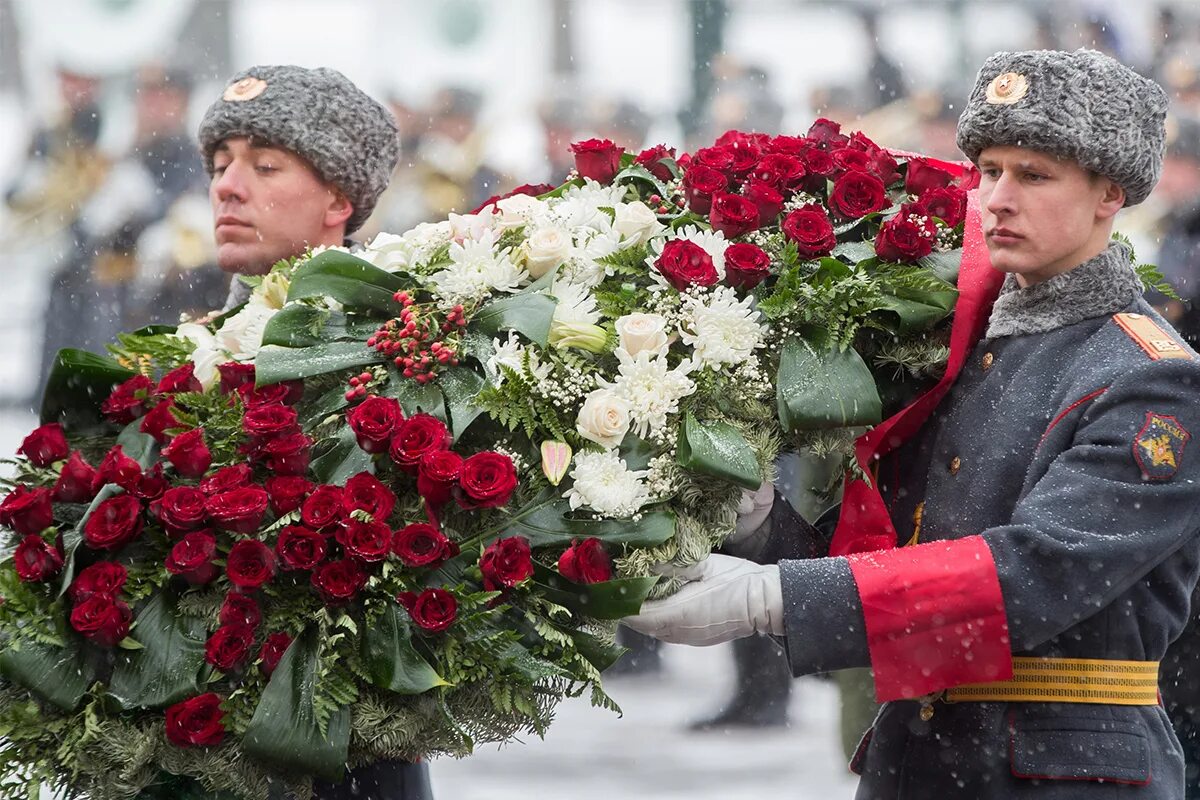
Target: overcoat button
{"points": [[955, 463], [988, 358]]}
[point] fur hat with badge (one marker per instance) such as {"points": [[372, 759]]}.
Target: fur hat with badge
{"points": [[319, 114], [1084, 106]]}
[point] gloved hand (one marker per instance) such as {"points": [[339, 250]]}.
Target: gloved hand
{"points": [[725, 598], [752, 510]]}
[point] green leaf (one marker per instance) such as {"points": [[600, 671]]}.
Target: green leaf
{"points": [[351, 281], [139, 446], [944, 265], [855, 252], [561, 190], [59, 675], [300, 325], [342, 460], [415, 397], [599, 653], [389, 658], [459, 386], [285, 731], [167, 668], [275, 364], [608, 600], [527, 314], [820, 385], [550, 524], [717, 448], [74, 537], [636, 172], [331, 402], [79, 383]]}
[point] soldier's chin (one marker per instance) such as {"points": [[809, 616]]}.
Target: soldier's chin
{"points": [[243, 259]]}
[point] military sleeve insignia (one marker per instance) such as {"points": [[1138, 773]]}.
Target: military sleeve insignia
{"points": [[1158, 447]]}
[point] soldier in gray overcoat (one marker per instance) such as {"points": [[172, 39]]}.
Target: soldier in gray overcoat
{"points": [[1018, 563]]}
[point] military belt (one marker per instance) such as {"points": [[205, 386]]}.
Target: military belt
{"points": [[1068, 680]]}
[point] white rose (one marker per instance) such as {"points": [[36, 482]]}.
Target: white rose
{"points": [[519, 210], [545, 249], [636, 222], [640, 332], [206, 360], [604, 418], [388, 252], [241, 335]]}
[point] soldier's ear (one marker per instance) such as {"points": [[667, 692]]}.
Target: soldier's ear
{"points": [[338, 210], [1112, 201]]}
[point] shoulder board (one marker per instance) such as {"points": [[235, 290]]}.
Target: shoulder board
{"points": [[1154, 340]]}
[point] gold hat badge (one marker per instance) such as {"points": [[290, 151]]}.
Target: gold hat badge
{"points": [[1007, 88], [247, 88]]}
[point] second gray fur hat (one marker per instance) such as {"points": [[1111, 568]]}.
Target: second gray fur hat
{"points": [[1084, 105], [319, 114]]}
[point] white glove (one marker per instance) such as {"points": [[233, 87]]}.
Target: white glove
{"points": [[752, 510], [726, 598]]}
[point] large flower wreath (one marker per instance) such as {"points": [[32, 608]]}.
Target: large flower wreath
{"points": [[392, 507]]}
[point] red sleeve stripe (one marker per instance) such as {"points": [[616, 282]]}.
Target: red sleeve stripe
{"points": [[1085, 399]]}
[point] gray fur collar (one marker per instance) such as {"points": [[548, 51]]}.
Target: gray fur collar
{"points": [[1103, 285]]}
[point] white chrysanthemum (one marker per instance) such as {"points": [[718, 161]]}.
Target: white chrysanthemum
{"points": [[575, 303], [651, 387], [241, 335], [521, 209], [476, 270], [579, 206], [590, 246], [605, 485], [427, 237], [511, 354], [713, 242], [721, 329]]}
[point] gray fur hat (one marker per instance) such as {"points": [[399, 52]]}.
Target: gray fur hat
{"points": [[349, 138], [1084, 106]]}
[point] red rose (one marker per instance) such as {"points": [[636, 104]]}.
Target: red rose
{"points": [[364, 492], [438, 475], [45, 445], [299, 547], [827, 134], [229, 646], [192, 558], [651, 159], [152, 484], [846, 159], [488, 480], [422, 545], [272, 652], [250, 564], [718, 158], [235, 375], [181, 509], [416, 436], [160, 420], [196, 722], [263, 423], [782, 171], [287, 455], [226, 478], [699, 185], [286, 492], [27, 510], [684, 263], [369, 541], [323, 508], [788, 145], [240, 609], [118, 468], [598, 159], [921, 175], [102, 619], [586, 562], [238, 510], [433, 610], [373, 421], [36, 560], [103, 578], [856, 194], [188, 453], [906, 237], [818, 166], [337, 582], [180, 379], [746, 265], [949, 204], [114, 523], [505, 563], [884, 167], [766, 198], [128, 401], [77, 483], [809, 227], [733, 215], [286, 393]]}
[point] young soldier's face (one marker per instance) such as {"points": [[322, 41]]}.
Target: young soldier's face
{"points": [[268, 203], [1042, 215]]}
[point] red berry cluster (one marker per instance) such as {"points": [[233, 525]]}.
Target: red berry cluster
{"points": [[358, 385], [663, 206], [420, 341]]}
